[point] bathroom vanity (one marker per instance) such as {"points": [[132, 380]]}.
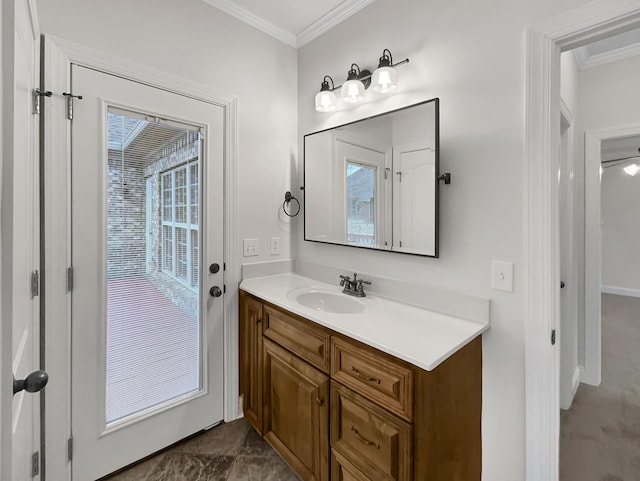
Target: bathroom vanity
{"points": [[360, 389]]}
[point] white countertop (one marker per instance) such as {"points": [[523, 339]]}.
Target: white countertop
{"points": [[419, 336]]}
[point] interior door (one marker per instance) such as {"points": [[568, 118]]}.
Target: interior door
{"points": [[147, 337], [24, 252], [413, 191]]}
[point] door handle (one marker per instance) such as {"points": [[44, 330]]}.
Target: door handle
{"points": [[34, 382], [215, 291], [561, 284]]}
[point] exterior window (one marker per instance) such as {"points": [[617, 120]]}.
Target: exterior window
{"points": [[180, 203]]}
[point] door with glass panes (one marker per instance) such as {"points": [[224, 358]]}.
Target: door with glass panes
{"points": [[147, 337]]}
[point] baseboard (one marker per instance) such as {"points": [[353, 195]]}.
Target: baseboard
{"points": [[620, 291], [575, 381]]}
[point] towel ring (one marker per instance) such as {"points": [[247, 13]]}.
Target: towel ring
{"points": [[288, 197]]}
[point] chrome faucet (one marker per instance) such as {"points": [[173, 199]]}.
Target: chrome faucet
{"points": [[353, 287]]}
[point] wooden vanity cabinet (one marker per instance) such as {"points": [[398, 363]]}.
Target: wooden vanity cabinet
{"points": [[296, 412], [251, 359], [337, 409]]}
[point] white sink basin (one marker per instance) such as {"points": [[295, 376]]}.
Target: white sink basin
{"points": [[326, 301]]}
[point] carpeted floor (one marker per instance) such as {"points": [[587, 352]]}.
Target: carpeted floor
{"points": [[600, 434]]}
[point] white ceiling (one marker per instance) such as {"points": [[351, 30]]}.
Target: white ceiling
{"points": [[294, 22], [611, 49]]}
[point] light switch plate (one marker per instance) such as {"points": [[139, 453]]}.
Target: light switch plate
{"points": [[275, 246], [502, 275], [251, 247]]}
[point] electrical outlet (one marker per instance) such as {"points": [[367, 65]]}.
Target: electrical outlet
{"points": [[502, 275], [251, 247], [275, 246]]}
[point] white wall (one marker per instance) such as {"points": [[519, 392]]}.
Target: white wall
{"points": [[472, 56], [620, 202], [194, 40]]}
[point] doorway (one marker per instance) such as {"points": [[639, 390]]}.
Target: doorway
{"points": [[545, 43]]}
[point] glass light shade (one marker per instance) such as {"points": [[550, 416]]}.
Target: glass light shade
{"points": [[384, 80], [326, 101], [352, 91], [632, 169]]}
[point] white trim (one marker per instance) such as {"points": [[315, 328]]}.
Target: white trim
{"points": [[330, 20], [59, 55], [581, 55], [294, 39], [254, 20], [623, 53], [621, 291], [567, 31]]}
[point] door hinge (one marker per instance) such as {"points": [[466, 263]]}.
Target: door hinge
{"points": [[553, 337], [69, 279], [70, 97], [224, 266], [35, 464], [386, 173], [37, 94], [400, 243], [224, 288], [399, 174], [69, 449], [35, 284]]}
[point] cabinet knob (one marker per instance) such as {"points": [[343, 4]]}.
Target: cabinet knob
{"points": [[319, 401]]}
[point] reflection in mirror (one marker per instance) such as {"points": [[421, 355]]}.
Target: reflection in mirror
{"points": [[373, 183]]}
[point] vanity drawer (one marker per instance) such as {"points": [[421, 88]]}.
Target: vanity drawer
{"points": [[376, 442], [303, 338], [378, 376], [343, 470]]}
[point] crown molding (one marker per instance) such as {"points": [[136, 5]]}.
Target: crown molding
{"points": [[330, 20], [254, 20], [586, 61]]}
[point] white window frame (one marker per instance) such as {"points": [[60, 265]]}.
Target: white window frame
{"points": [[190, 280]]}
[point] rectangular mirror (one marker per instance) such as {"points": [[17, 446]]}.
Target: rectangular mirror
{"points": [[373, 183]]}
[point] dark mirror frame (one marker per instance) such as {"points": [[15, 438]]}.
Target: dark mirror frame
{"points": [[436, 253]]}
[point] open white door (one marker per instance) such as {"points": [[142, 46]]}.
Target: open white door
{"points": [[414, 213], [20, 252], [147, 320]]}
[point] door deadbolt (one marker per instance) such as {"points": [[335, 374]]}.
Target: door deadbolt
{"points": [[214, 268]]}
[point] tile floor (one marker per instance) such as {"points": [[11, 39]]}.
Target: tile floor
{"points": [[229, 452]]}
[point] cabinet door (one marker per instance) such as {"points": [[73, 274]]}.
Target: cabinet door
{"points": [[251, 359], [296, 410]]}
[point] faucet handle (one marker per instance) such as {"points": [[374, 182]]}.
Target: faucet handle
{"points": [[364, 282], [344, 279]]}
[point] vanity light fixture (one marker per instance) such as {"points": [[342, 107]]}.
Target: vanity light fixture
{"points": [[352, 90], [326, 100], [384, 80]]}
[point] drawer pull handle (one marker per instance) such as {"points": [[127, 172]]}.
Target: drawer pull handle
{"points": [[362, 439], [366, 378], [319, 401]]}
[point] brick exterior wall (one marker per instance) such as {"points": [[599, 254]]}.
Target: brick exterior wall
{"points": [[126, 217]]}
